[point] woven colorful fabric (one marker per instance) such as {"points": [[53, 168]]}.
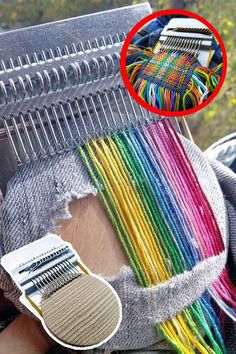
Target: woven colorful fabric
{"points": [[170, 70], [170, 80]]}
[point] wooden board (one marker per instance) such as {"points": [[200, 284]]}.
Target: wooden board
{"points": [[93, 237]]}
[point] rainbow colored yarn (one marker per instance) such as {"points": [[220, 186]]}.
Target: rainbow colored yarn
{"points": [[163, 220], [170, 80]]}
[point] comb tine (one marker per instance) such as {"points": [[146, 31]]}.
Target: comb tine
{"points": [[110, 109], [81, 47], [27, 59], [3, 66], [52, 131], [118, 110], [11, 64], [89, 45], [96, 115], [96, 43], [121, 94], [19, 138], [71, 137], [132, 107], [35, 56], [89, 116], [103, 41], [50, 148], [30, 144], [82, 121], [13, 89], [42, 151], [73, 48], [15, 150], [104, 113], [4, 91], [59, 127], [72, 116]]}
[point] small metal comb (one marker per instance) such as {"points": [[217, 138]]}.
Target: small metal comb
{"points": [[60, 85], [39, 271], [187, 35]]}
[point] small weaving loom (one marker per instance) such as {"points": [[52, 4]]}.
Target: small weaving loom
{"points": [[58, 80], [175, 74], [76, 308], [56, 97]]}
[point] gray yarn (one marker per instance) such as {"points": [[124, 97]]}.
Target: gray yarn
{"points": [[39, 195], [154, 305], [227, 181]]}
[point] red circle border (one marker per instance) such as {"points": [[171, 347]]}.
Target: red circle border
{"points": [[125, 77]]}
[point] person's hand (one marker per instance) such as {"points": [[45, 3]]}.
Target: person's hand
{"points": [[24, 336]]}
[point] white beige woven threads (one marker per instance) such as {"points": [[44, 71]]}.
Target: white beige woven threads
{"points": [[82, 313]]}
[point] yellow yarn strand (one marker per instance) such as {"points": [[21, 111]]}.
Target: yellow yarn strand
{"points": [[148, 229], [137, 242], [131, 210]]}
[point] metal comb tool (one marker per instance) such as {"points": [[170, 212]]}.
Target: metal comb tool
{"points": [[75, 307], [187, 35], [60, 85], [46, 268]]}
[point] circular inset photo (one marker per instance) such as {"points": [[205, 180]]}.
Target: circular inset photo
{"points": [[173, 62]]}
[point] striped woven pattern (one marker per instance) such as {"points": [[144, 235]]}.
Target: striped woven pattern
{"points": [[170, 80], [169, 68], [82, 313], [163, 220]]}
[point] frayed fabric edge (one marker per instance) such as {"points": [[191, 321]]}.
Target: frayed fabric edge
{"points": [[61, 211]]}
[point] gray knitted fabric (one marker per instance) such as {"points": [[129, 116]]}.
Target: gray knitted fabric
{"points": [[227, 180], [39, 195]]}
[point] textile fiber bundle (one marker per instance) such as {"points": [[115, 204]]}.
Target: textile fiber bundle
{"points": [[164, 222], [170, 80]]}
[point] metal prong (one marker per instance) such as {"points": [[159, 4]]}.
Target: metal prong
{"points": [[89, 115], [27, 159], [71, 113], [96, 114], [36, 135], [62, 111], [110, 109], [82, 120], [104, 112], [56, 142], [49, 146], [55, 115], [33, 153], [118, 109], [18, 159]]}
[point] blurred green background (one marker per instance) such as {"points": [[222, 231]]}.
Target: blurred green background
{"points": [[216, 120]]}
